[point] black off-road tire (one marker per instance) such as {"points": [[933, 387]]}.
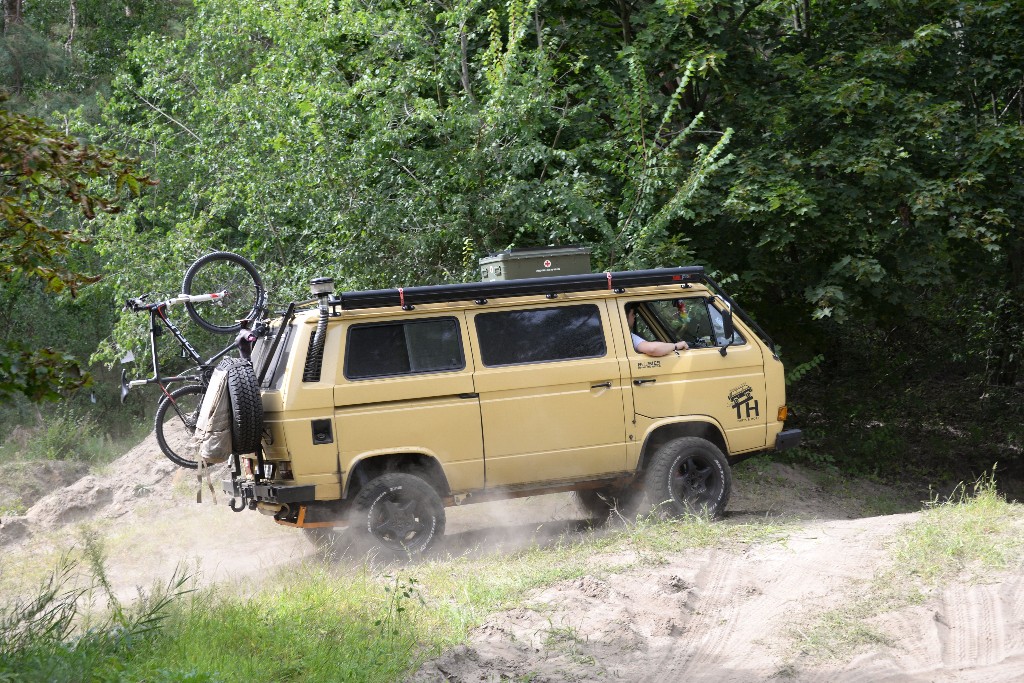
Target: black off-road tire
{"points": [[246, 405], [397, 515], [179, 409], [216, 272], [689, 476]]}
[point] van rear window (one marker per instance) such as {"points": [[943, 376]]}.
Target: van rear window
{"points": [[272, 369], [403, 348], [540, 335]]}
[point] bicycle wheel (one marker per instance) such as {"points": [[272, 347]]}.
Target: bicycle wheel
{"points": [[175, 424], [224, 271]]}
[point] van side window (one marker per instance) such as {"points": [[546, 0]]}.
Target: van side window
{"points": [[692, 320], [403, 348], [540, 335]]}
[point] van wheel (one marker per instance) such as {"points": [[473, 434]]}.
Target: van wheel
{"points": [[689, 476], [398, 514], [599, 503], [246, 405]]}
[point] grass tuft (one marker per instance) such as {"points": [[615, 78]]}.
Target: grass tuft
{"points": [[68, 433], [974, 532], [56, 636]]}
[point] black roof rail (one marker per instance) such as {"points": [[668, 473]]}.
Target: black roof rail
{"points": [[475, 291]]}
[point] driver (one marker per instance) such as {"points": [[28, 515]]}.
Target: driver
{"points": [[649, 348]]}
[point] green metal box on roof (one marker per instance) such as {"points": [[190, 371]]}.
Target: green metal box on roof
{"points": [[517, 264]]}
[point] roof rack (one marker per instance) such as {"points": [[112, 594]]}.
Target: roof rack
{"points": [[408, 297], [478, 291]]}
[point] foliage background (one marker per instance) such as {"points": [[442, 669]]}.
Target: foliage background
{"points": [[850, 171]]}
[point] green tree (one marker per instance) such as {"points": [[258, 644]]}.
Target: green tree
{"points": [[399, 144], [878, 151], [873, 165], [44, 170]]}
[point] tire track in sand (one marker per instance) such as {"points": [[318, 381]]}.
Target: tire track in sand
{"points": [[968, 633], [970, 639], [747, 602]]}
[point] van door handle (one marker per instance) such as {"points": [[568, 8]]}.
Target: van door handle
{"points": [[602, 385], [469, 395], [649, 380]]}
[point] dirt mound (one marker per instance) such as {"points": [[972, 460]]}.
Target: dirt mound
{"points": [[715, 615], [27, 481], [142, 475], [712, 614], [143, 508]]}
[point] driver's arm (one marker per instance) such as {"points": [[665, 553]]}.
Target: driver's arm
{"points": [[657, 348]]}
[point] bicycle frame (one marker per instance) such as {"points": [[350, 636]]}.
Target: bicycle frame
{"points": [[158, 315]]}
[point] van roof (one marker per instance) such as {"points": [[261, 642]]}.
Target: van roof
{"points": [[473, 291]]}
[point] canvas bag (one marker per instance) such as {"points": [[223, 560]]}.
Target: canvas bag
{"points": [[213, 427]]}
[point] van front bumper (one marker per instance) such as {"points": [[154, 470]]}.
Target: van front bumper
{"points": [[788, 438], [269, 493]]}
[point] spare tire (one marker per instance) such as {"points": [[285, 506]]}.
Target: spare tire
{"points": [[246, 405]]}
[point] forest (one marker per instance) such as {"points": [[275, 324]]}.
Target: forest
{"points": [[851, 173]]}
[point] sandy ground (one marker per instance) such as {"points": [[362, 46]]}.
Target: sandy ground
{"points": [[704, 615]]}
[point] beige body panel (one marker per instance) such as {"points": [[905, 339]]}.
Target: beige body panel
{"points": [[775, 382], [401, 428], [700, 382], [433, 414], [552, 421]]}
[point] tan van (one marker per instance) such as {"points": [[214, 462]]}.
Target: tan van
{"points": [[381, 408]]}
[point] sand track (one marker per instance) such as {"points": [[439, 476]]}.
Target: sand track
{"points": [[714, 614]]}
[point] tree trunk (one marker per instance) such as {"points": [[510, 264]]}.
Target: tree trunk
{"points": [[464, 45], [12, 13], [73, 22], [624, 21], [1007, 346]]}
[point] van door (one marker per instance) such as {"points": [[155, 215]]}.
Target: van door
{"points": [[407, 387], [551, 395], [700, 381]]}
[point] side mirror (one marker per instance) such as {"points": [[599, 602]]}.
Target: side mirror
{"points": [[124, 385], [728, 329]]}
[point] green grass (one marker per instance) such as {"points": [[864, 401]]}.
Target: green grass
{"points": [[314, 627], [966, 538], [68, 433], [54, 636], [973, 533], [338, 622]]}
